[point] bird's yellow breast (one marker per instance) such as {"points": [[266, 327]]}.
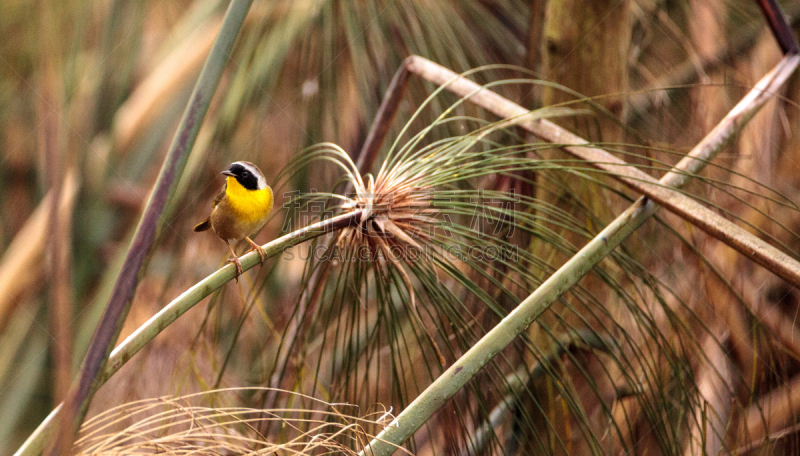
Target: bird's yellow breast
{"points": [[250, 206]]}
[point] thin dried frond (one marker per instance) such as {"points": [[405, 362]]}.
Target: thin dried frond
{"points": [[211, 423]]}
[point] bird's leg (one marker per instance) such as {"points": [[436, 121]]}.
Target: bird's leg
{"points": [[261, 252], [235, 260]]}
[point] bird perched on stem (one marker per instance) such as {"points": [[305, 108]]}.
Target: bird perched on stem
{"points": [[240, 208]]}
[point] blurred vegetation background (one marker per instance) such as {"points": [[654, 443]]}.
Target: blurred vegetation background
{"points": [[91, 93]]}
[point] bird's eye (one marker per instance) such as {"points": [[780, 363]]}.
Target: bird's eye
{"points": [[245, 174]]}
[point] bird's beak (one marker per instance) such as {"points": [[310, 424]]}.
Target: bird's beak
{"points": [[228, 173]]}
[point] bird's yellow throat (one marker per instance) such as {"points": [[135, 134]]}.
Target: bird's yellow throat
{"points": [[250, 205]]}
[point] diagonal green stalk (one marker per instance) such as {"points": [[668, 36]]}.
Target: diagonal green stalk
{"points": [[151, 223], [517, 381], [465, 368], [144, 334]]}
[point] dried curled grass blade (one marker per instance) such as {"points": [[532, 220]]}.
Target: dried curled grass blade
{"points": [[184, 425]]}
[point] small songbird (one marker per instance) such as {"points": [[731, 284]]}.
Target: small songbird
{"points": [[240, 208]]}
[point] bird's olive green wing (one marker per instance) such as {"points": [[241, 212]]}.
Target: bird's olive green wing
{"points": [[206, 224], [220, 195]]}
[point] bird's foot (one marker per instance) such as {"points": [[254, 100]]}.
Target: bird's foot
{"points": [[261, 252], [238, 263]]}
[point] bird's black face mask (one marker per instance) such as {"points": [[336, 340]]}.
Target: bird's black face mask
{"points": [[247, 177]]}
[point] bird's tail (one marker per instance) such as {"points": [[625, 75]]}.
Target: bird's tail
{"points": [[204, 225]]}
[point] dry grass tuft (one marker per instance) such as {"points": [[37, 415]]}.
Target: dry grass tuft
{"points": [[395, 212], [209, 424]]}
